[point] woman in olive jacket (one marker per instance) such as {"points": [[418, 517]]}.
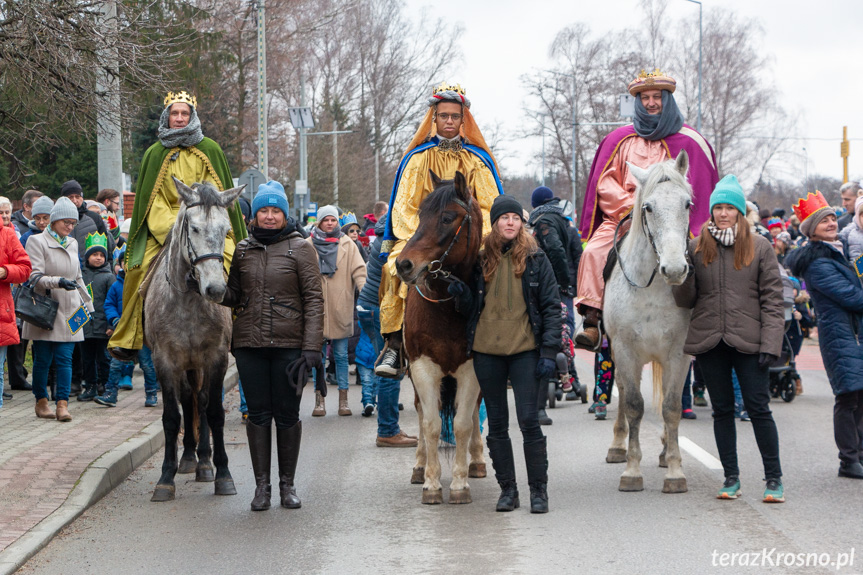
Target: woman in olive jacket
{"points": [[737, 322], [514, 334], [275, 290]]}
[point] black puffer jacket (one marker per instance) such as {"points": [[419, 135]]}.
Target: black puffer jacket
{"points": [[551, 232], [541, 297], [575, 251], [91, 223]]}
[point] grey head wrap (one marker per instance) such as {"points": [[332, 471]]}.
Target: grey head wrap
{"points": [[660, 126], [185, 137]]}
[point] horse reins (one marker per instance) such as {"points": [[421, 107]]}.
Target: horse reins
{"points": [[435, 268]]}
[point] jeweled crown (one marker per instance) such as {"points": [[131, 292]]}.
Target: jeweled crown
{"points": [[807, 206], [444, 87], [655, 80], [184, 97]]}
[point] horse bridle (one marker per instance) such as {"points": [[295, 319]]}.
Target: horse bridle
{"points": [[646, 229], [435, 268], [194, 258]]}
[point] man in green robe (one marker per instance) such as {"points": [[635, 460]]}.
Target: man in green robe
{"points": [[182, 152]]}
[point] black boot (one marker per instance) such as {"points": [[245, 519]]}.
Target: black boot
{"points": [[288, 450], [89, 393], [260, 448], [500, 451], [536, 458]]}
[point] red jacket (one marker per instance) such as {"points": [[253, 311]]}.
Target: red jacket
{"points": [[17, 264]]}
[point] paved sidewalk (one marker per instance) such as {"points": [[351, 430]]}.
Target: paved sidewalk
{"points": [[50, 472]]}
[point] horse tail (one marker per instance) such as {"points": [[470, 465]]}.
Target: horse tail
{"points": [[658, 394], [447, 405]]}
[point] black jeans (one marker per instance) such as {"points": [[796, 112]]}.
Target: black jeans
{"points": [[716, 366], [15, 356], [492, 372], [265, 385], [848, 426], [94, 352]]}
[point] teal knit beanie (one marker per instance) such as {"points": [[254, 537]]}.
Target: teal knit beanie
{"points": [[729, 191]]}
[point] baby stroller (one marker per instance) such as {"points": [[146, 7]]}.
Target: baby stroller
{"points": [[566, 380], [783, 371]]}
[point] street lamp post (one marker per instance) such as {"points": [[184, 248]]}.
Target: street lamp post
{"points": [[700, 57]]}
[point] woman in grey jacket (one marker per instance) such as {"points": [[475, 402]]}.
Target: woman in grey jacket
{"points": [[737, 323]]}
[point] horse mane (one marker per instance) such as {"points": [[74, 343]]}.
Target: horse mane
{"points": [[208, 196], [440, 198]]}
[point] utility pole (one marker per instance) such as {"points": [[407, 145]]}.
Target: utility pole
{"points": [[262, 91], [335, 163], [108, 134], [844, 151], [700, 54]]}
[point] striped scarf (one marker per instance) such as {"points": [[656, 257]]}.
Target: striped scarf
{"points": [[724, 237]]}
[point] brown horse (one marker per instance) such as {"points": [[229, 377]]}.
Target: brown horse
{"points": [[446, 244]]}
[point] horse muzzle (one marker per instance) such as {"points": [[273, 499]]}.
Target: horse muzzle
{"points": [[408, 272], [674, 274]]}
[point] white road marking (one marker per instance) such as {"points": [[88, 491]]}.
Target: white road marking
{"points": [[698, 453]]}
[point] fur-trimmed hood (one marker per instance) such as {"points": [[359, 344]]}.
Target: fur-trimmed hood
{"points": [[812, 251]]}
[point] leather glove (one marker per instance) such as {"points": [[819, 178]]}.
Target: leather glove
{"points": [[456, 287], [68, 284], [192, 282], [765, 359], [545, 369], [298, 372]]}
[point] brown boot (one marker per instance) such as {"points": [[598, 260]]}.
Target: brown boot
{"points": [[589, 336], [43, 410], [63, 411], [799, 387], [320, 408], [343, 403]]}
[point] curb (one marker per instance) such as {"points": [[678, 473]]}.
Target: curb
{"points": [[100, 478]]}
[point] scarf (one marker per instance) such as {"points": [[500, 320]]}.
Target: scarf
{"points": [[658, 127], [327, 245], [185, 137], [724, 237], [56, 236], [836, 245], [551, 207], [271, 236]]}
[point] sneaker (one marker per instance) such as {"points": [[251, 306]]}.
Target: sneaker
{"points": [[774, 492], [567, 385], [592, 408], [389, 364], [698, 400], [744, 416], [108, 399], [600, 410], [730, 489], [688, 414], [151, 400], [544, 419], [368, 410], [125, 383], [89, 394]]}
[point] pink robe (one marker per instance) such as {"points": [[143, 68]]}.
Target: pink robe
{"points": [[615, 192]]}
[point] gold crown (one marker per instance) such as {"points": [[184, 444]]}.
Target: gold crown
{"points": [[644, 75], [184, 97], [444, 87], [655, 80]]}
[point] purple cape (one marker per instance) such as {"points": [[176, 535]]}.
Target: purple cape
{"points": [[702, 176]]}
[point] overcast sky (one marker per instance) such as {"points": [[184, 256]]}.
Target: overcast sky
{"points": [[817, 51]]}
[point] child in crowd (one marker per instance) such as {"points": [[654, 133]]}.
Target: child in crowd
{"points": [[113, 311], [98, 279]]}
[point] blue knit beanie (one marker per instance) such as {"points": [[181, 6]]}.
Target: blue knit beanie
{"points": [[729, 191], [540, 196], [270, 194]]}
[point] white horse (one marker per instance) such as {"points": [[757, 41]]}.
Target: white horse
{"points": [[642, 321]]}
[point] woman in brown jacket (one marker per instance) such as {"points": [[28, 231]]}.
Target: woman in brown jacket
{"points": [[737, 323], [275, 290]]}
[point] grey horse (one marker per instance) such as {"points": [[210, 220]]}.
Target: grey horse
{"points": [[190, 335]]}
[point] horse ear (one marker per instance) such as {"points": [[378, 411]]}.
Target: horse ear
{"points": [[228, 197], [187, 194], [681, 164], [639, 173], [461, 187], [435, 179]]}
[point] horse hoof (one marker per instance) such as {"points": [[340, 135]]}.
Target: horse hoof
{"points": [[459, 496], [662, 462], [187, 465], [163, 493], [616, 455], [204, 474], [432, 496], [630, 483], [674, 485], [225, 487], [477, 470], [418, 477]]}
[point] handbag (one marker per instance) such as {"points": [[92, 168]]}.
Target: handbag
{"points": [[35, 308]]}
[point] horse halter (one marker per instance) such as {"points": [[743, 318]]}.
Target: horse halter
{"points": [[435, 268], [646, 229], [194, 258]]}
